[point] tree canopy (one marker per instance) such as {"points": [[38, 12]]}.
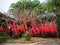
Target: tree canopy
{"points": [[26, 7]]}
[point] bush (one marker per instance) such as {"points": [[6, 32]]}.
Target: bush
{"points": [[18, 36], [27, 35], [3, 37], [2, 23], [3, 34], [58, 23]]}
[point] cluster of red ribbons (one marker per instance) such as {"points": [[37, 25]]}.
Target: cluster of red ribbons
{"points": [[40, 28], [44, 29], [15, 28]]}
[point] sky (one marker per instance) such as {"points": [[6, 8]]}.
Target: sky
{"points": [[5, 4]]}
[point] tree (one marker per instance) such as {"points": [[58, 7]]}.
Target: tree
{"points": [[26, 7], [54, 6]]}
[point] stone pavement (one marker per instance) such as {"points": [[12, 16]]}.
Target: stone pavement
{"points": [[44, 42]]}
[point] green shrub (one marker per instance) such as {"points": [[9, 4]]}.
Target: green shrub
{"points": [[27, 35], [2, 33], [58, 23], [3, 38], [2, 23], [18, 36]]}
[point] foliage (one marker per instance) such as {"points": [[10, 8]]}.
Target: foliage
{"points": [[27, 35], [2, 23], [54, 5], [3, 37], [25, 7], [58, 23]]}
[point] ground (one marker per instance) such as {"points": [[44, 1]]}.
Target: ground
{"points": [[39, 41]]}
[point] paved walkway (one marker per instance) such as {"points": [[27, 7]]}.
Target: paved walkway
{"points": [[45, 42]]}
